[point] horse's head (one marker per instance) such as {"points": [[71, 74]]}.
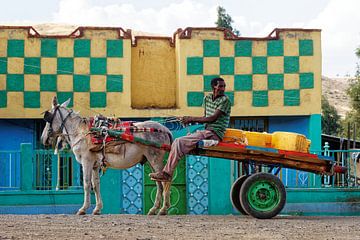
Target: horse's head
{"points": [[55, 121]]}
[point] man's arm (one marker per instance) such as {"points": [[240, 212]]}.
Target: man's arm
{"points": [[209, 119]]}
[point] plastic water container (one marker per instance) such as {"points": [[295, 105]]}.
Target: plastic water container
{"points": [[290, 141]]}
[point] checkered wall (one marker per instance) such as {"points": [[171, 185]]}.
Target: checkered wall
{"points": [[87, 70], [257, 68]]}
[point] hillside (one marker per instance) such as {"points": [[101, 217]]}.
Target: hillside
{"points": [[335, 91]]}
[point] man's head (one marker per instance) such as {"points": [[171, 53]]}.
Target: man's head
{"points": [[218, 85]]}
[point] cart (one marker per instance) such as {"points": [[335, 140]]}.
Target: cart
{"points": [[262, 195]]}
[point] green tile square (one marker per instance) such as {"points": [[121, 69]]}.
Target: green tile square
{"points": [[207, 82], [48, 47], [3, 65], [243, 82], [211, 48], [195, 99], [259, 65], [227, 65], [15, 48], [275, 48], [114, 48], [48, 83], [31, 99], [65, 66], [275, 81], [231, 97], [260, 99], [81, 83], [97, 99], [82, 47], [32, 65], [114, 83], [306, 47], [63, 96], [194, 65], [292, 97], [291, 64], [15, 82], [306, 80], [3, 99], [243, 48], [98, 66]]}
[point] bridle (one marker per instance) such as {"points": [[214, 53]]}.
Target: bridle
{"points": [[49, 117]]}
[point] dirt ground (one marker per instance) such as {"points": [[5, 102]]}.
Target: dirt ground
{"points": [[176, 227]]}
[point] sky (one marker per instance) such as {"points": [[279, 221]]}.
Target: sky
{"points": [[339, 20]]}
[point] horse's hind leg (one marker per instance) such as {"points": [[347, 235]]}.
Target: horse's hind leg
{"points": [[166, 197], [157, 202], [96, 187], [87, 172]]}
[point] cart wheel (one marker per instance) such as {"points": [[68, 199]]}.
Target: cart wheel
{"points": [[235, 194], [262, 195]]}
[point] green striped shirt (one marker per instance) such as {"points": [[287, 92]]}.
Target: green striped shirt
{"points": [[223, 104]]}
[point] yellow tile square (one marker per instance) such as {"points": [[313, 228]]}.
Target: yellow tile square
{"points": [[46, 99], [82, 65], [116, 65], [2, 82], [291, 81], [3, 47], [15, 65], [291, 47], [307, 64], [276, 98], [32, 47], [259, 48], [194, 83], [260, 82], [48, 65], [243, 65], [31, 82], [98, 83], [98, 48], [227, 48], [82, 102], [65, 47], [229, 81], [15, 101], [275, 65], [211, 65], [65, 83], [244, 99]]}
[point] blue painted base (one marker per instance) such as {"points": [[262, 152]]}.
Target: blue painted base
{"points": [[43, 209]]}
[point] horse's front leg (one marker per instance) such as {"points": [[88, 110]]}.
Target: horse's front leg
{"points": [[87, 172], [96, 187]]}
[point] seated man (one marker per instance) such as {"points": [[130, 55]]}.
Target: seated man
{"points": [[217, 116]]}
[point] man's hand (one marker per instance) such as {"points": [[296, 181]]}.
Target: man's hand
{"points": [[186, 120]]}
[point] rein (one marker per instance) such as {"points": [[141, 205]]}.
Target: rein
{"points": [[49, 117]]}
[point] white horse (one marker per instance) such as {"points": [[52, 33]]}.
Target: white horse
{"points": [[63, 123]]}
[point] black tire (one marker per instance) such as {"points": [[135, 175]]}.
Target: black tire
{"points": [[235, 194], [262, 195]]}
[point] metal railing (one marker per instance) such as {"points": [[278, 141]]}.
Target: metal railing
{"points": [[56, 172], [9, 170]]}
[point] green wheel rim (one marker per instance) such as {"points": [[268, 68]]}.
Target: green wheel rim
{"points": [[263, 196]]}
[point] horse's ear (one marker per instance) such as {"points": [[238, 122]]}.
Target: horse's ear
{"points": [[66, 103], [54, 102]]}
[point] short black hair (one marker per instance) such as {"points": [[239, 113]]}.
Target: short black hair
{"points": [[215, 81]]}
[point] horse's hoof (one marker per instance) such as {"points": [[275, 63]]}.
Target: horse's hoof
{"points": [[81, 212], [152, 211], [162, 212], [97, 212]]}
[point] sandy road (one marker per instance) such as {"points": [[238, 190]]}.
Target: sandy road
{"points": [[176, 227]]}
